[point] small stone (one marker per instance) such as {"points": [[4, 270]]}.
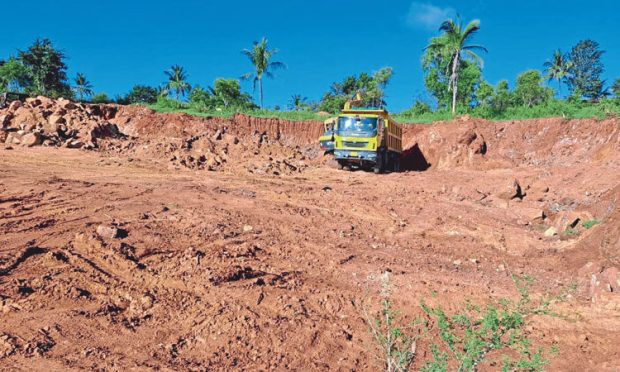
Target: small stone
{"points": [[31, 139], [247, 228], [457, 262], [474, 261], [107, 232], [551, 232]]}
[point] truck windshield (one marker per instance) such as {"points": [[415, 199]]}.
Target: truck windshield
{"points": [[357, 126]]}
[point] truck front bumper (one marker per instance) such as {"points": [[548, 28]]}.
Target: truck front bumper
{"points": [[352, 155]]}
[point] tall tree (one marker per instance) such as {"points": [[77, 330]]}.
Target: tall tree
{"points": [[13, 76], [586, 68], [372, 88], [227, 93], [297, 102], [83, 88], [142, 94], [529, 90], [615, 88], [380, 80], [46, 68], [558, 69], [261, 57], [177, 81], [453, 47]]}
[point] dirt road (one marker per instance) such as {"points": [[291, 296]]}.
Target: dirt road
{"points": [[114, 261]]}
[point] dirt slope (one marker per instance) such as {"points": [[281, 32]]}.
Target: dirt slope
{"points": [[141, 254]]}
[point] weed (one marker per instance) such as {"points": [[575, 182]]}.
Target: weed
{"points": [[571, 232], [468, 337], [590, 224], [396, 350]]}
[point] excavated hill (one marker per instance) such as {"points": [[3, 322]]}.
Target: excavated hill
{"points": [[131, 239]]}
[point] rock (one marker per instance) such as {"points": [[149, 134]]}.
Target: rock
{"points": [[247, 228], [551, 232], [66, 104], [217, 136], [605, 287], [33, 102], [511, 191], [474, 261], [75, 144], [13, 138], [14, 106], [56, 119], [457, 262], [107, 232], [5, 120], [31, 139], [528, 216]]}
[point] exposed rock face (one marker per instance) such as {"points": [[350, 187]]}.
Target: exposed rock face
{"points": [[51, 122]]}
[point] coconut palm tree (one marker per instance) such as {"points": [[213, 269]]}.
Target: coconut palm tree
{"points": [[454, 45], [297, 102], [177, 81], [558, 68], [260, 55], [83, 88]]}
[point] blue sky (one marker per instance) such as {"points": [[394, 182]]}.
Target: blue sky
{"points": [[117, 44]]}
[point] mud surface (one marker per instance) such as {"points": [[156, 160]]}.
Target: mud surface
{"points": [[140, 254]]}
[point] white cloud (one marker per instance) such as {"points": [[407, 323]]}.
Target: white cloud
{"points": [[428, 16]]}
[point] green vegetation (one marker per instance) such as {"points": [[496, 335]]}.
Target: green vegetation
{"points": [[142, 94], [260, 55], [83, 88], [100, 98], [395, 349], [453, 77], [450, 57], [590, 224], [372, 88], [177, 82], [467, 338], [39, 70]]}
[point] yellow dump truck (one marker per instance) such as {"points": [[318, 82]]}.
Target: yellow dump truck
{"points": [[367, 138]]}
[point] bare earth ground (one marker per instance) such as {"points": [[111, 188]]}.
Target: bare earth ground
{"points": [[244, 269]]}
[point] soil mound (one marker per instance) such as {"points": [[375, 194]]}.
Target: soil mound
{"points": [[481, 144]]}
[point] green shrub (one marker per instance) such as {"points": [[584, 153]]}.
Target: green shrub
{"points": [[468, 338], [590, 224]]}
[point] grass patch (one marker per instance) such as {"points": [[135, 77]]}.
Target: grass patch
{"points": [[551, 109], [173, 107], [590, 224], [571, 232]]}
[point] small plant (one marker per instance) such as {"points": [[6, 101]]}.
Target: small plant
{"points": [[571, 232], [590, 224], [469, 336], [396, 350]]}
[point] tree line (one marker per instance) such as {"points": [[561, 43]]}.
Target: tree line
{"points": [[453, 76]]}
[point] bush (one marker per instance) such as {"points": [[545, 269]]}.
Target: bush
{"points": [[142, 94], [100, 98], [468, 338]]}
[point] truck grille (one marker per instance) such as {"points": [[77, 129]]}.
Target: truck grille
{"points": [[355, 144]]}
